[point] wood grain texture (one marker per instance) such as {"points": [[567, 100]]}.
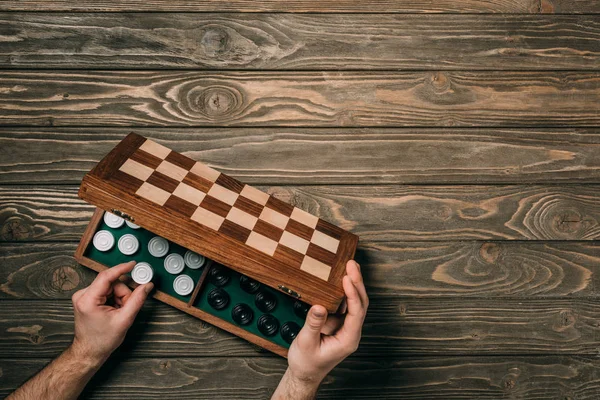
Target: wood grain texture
{"points": [[419, 269], [119, 98], [375, 213], [394, 329], [336, 155], [300, 42], [557, 377], [313, 6]]}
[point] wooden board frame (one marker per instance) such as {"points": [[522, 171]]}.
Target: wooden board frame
{"points": [[168, 299]]}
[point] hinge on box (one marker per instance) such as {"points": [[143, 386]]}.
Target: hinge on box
{"points": [[289, 291], [122, 215]]}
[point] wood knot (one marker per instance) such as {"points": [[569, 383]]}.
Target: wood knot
{"points": [[568, 222], [162, 368], [566, 320], [215, 102], [65, 279], [215, 42], [489, 252], [403, 309], [33, 333], [444, 213], [509, 384], [16, 229], [546, 7], [440, 81], [438, 88]]}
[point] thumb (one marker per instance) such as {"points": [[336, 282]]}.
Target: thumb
{"points": [[135, 302], [311, 331]]}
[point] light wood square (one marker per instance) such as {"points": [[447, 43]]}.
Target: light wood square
{"points": [[207, 218], [255, 195], [304, 218], [190, 194], [242, 218], [223, 194], [325, 241], [205, 171], [294, 242], [316, 268], [172, 170], [274, 218], [153, 193], [136, 169], [155, 149], [261, 243]]}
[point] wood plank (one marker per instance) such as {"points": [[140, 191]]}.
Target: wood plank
{"points": [[393, 99], [448, 378], [416, 269], [335, 155], [375, 213], [299, 42], [313, 6], [395, 328]]}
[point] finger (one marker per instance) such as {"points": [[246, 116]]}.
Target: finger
{"points": [[333, 324], [310, 334], [101, 286], [121, 293], [356, 312], [121, 290], [134, 302], [353, 271]]}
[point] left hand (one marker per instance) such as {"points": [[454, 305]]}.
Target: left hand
{"points": [[99, 327]]}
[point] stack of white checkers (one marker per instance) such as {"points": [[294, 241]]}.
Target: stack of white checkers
{"points": [[158, 247]]}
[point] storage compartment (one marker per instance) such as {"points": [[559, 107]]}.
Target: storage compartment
{"points": [[288, 313]]}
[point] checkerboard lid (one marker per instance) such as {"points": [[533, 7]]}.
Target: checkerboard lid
{"points": [[204, 210]]}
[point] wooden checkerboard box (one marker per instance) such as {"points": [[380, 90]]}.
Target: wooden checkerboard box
{"points": [[210, 213]]}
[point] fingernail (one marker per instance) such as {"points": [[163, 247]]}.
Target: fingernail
{"points": [[148, 288]]}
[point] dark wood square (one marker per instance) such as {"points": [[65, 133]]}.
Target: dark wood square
{"points": [[268, 230], [280, 206], [215, 205], [180, 160], [234, 230], [329, 229], [179, 205], [146, 159], [230, 183], [248, 206], [197, 182], [126, 181], [299, 229], [320, 254], [162, 181]]}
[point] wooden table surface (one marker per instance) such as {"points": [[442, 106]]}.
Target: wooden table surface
{"points": [[458, 138]]}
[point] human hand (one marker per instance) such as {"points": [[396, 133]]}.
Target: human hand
{"points": [[325, 341], [100, 324]]}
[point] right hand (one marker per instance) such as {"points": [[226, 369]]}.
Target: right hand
{"points": [[325, 341], [99, 327]]}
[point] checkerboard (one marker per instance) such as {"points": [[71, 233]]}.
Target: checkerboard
{"points": [[219, 202]]}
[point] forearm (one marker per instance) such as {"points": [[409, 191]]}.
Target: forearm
{"points": [[291, 388], [64, 378]]}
